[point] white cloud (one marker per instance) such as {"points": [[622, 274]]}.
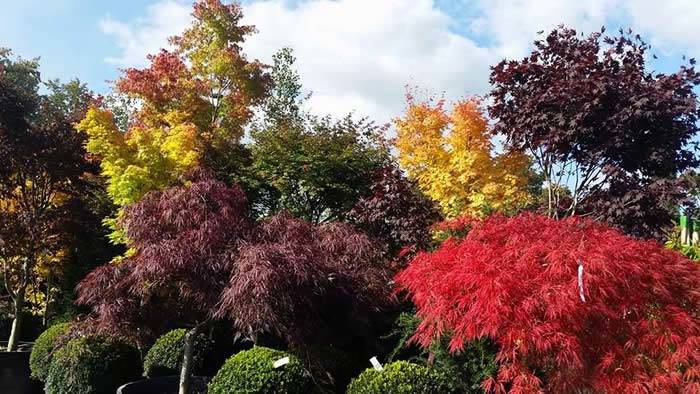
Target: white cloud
{"points": [[148, 34], [359, 54]]}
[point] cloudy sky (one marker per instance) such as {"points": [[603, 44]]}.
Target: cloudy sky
{"points": [[352, 54]]}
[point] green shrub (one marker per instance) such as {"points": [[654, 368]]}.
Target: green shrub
{"points": [[403, 377], [92, 364], [165, 356], [251, 371], [43, 349]]}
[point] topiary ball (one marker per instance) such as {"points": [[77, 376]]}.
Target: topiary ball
{"points": [[43, 350], [164, 358], [402, 377], [92, 364], [252, 371]]}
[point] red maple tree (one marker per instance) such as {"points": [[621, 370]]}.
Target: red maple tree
{"points": [[628, 322]]}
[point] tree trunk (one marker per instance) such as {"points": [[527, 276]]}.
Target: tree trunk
{"points": [[186, 370], [18, 307]]}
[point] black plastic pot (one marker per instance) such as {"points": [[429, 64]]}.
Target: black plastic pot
{"points": [[14, 371], [164, 385]]}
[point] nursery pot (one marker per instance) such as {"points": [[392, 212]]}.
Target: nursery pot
{"points": [[164, 385], [14, 371]]}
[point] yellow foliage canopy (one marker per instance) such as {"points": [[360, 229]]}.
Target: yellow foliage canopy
{"points": [[450, 156]]}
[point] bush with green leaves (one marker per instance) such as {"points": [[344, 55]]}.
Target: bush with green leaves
{"points": [[403, 377], [165, 356], [252, 371], [92, 364], [43, 350]]}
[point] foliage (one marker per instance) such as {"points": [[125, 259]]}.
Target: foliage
{"points": [[597, 121], [315, 168], [402, 377], [395, 212], [310, 285], [252, 371], [92, 364], [467, 367], [450, 157], [184, 238], [514, 280], [43, 173], [165, 356], [43, 349], [192, 103]]}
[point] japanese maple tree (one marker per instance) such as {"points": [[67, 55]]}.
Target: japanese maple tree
{"points": [[572, 304], [184, 242], [601, 125]]}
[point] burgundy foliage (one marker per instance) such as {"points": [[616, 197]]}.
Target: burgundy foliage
{"points": [[395, 212], [515, 280], [185, 240], [307, 284], [597, 121]]}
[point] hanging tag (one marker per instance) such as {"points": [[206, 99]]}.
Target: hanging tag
{"points": [[580, 282], [281, 362], [376, 364]]}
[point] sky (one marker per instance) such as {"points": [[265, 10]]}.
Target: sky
{"points": [[353, 55]]}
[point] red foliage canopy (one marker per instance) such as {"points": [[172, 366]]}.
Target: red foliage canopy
{"points": [[515, 280]]}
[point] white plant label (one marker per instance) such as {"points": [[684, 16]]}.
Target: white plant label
{"points": [[280, 362], [580, 281], [376, 364]]}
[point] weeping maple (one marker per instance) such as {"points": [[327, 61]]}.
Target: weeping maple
{"points": [[572, 304], [450, 156], [193, 105], [185, 240]]}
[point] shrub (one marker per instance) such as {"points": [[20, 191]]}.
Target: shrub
{"points": [[43, 350], [92, 364], [165, 356], [629, 324], [403, 377], [251, 371]]}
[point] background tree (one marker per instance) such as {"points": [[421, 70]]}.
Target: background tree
{"points": [[600, 125], [193, 105], [627, 322], [450, 156], [314, 167], [314, 286], [185, 240], [43, 166]]}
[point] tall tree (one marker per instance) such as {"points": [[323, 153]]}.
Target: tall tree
{"points": [[193, 104], [450, 156], [314, 167], [185, 240], [43, 166], [601, 125]]}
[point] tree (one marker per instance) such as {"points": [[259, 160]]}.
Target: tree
{"points": [[314, 286], [185, 240], [193, 104], [573, 305], [396, 213], [43, 166], [598, 123], [450, 158], [314, 167]]}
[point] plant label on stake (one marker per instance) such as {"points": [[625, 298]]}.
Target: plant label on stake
{"points": [[580, 281], [376, 364], [281, 362]]}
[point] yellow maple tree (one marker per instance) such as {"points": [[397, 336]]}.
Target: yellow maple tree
{"points": [[450, 155]]}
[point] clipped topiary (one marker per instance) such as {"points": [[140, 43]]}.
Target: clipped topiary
{"points": [[403, 377], [165, 356], [43, 350], [252, 371], [92, 364]]}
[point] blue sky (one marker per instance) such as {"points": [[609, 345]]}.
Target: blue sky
{"points": [[353, 54]]}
